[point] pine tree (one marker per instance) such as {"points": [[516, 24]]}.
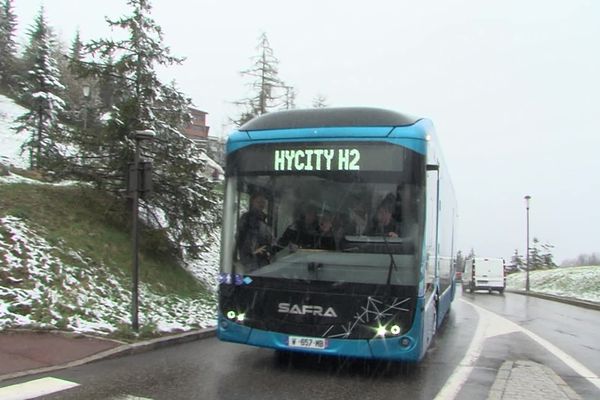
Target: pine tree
{"points": [[8, 47], [547, 257], [290, 98], [182, 199], [82, 107], [471, 254], [41, 92], [320, 101], [267, 90], [535, 259], [517, 259]]}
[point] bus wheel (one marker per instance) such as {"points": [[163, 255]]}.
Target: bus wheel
{"points": [[471, 290]]}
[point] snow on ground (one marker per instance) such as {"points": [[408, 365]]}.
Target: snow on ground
{"points": [[575, 282], [40, 286], [10, 141]]}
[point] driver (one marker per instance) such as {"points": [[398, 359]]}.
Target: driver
{"points": [[384, 223]]}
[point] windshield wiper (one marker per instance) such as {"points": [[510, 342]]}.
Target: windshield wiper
{"points": [[392, 261]]}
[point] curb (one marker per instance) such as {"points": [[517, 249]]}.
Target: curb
{"points": [[567, 300], [120, 351]]}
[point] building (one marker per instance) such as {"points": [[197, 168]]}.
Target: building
{"points": [[197, 129], [214, 147]]}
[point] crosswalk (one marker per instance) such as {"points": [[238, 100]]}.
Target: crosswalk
{"points": [[45, 386], [35, 388]]}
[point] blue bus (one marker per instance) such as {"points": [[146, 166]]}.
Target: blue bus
{"points": [[338, 234]]}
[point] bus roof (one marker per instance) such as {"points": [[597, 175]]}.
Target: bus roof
{"points": [[328, 117]]}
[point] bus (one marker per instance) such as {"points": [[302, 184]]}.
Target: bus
{"points": [[338, 234]]}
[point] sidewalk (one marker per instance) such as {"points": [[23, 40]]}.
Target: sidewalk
{"points": [[25, 352]]}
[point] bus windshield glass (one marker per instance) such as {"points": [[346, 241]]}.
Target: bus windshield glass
{"points": [[327, 224]]}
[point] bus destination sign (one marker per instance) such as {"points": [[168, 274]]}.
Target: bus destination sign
{"points": [[317, 160], [307, 158]]}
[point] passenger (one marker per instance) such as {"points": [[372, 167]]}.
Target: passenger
{"points": [[304, 232], [326, 239], [384, 223], [254, 235]]}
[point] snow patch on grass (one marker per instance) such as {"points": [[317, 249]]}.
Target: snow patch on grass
{"points": [[575, 282], [44, 286]]}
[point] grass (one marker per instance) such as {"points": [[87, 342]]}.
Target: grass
{"points": [[98, 225]]}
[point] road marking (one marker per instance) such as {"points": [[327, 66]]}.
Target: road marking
{"points": [[486, 327], [489, 325], [35, 388]]}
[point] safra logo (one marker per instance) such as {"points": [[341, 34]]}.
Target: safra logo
{"points": [[287, 308], [317, 160]]}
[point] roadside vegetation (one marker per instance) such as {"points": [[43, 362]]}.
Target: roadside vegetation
{"points": [[575, 282], [66, 261], [70, 116]]}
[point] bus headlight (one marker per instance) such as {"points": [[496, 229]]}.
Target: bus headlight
{"points": [[381, 331], [231, 314], [241, 317], [395, 330]]}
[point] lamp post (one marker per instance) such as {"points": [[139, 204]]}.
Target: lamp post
{"points": [[134, 188], [87, 90], [527, 200]]}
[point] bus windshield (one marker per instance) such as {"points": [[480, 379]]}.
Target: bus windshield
{"points": [[334, 226]]}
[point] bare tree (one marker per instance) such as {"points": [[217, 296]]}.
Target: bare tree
{"points": [[320, 101], [267, 90]]}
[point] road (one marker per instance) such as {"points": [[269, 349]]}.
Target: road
{"points": [[210, 369]]}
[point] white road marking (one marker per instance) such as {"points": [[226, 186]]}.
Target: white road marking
{"points": [[35, 388], [491, 324]]}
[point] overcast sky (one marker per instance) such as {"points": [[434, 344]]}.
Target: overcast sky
{"points": [[512, 86]]}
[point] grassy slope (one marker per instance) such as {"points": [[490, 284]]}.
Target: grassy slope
{"points": [[576, 282], [92, 222]]}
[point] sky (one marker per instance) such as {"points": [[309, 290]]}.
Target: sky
{"points": [[512, 87]]}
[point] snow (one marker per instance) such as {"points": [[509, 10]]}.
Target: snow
{"points": [[45, 286], [581, 283], [46, 291], [10, 142]]}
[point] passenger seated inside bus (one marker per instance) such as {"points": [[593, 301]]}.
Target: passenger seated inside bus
{"points": [[326, 239], [384, 223], [254, 237], [310, 231], [302, 232]]}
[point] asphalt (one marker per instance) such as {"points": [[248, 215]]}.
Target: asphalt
{"points": [[27, 352]]}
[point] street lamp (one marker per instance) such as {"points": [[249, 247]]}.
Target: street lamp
{"points": [[134, 189], [527, 200], [87, 91]]}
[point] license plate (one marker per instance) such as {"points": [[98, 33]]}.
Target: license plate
{"points": [[307, 342]]}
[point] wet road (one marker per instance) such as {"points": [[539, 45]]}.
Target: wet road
{"points": [[210, 369]]}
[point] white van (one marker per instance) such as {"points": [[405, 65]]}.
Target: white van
{"points": [[484, 274]]}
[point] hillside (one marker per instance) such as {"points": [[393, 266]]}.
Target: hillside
{"points": [[66, 264], [575, 282], [65, 258]]}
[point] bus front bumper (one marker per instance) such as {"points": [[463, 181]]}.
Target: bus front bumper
{"points": [[402, 348]]}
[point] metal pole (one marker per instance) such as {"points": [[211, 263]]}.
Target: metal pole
{"points": [[527, 276], [135, 239]]}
